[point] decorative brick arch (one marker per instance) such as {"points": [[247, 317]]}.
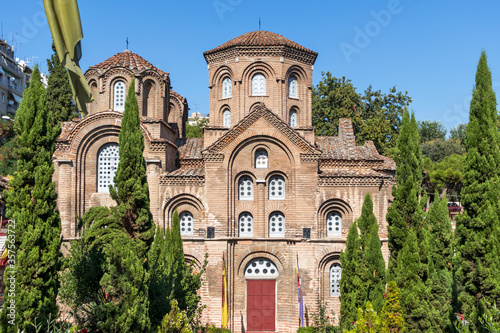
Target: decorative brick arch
{"points": [[325, 260], [220, 73], [156, 78], [184, 202], [111, 75], [334, 204], [261, 251]]}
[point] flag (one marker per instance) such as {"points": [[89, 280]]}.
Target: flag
{"points": [[225, 316], [301, 301], [4, 254], [66, 28]]}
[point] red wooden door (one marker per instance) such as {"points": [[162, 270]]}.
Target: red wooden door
{"points": [[261, 307]]}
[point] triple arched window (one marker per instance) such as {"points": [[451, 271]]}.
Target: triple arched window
{"points": [[245, 224], [258, 85], [334, 224], [107, 163], [226, 118], [119, 96], [226, 88], [277, 224], [335, 274], [186, 223], [245, 188], [292, 87]]}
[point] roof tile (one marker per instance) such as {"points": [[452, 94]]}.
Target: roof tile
{"points": [[127, 59]]}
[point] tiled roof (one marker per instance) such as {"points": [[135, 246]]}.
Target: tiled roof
{"points": [[189, 172], [190, 148], [127, 59], [259, 38], [173, 93]]}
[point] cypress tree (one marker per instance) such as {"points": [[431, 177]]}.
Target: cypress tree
{"points": [[391, 317], [440, 269], [414, 292], [477, 230], [36, 239], [352, 290], [59, 94], [405, 212], [373, 260]]}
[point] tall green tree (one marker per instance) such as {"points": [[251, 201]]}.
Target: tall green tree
{"points": [[59, 94], [440, 279], [123, 235], [35, 241], [391, 317], [352, 290], [405, 212], [478, 229], [373, 277]]}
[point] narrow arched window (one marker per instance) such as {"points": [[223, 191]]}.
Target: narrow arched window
{"points": [[107, 163], [245, 225], [261, 159], [245, 188], [335, 274], [293, 118], [226, 88], [258, 85], [119, 96], [226, 118], [292, 87], [186, 223], [334, 224], [276, 188], [261, 267], [277, 224]]}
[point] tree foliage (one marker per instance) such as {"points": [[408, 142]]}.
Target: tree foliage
{"points": [[430, 130], [439, 149], [59, 94], [445, 177], [478, 229], [392, 317], [375, 116], [8, 148], [458, 133], [35, 252], [196, 130]]}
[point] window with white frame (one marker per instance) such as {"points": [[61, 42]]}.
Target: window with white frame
{"points": [[119, 96], [245, 224], [226, 88], [261, 159], [276, 188], [245, 188], [277, 224], [292, 87], [107, 163], [261, 267], [258, 85], [335, 274], [226, 118], [186, 223], [293, 118], [334, 224]]}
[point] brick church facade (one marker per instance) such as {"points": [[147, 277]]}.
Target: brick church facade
{"points": [[260, 187]]}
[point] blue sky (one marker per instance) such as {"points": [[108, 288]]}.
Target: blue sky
{"points": [[428, 48]]}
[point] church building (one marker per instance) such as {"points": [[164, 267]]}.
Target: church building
{"points": [[259, 188]]}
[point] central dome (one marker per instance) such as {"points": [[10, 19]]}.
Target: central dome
{"points": [[259, 38]]}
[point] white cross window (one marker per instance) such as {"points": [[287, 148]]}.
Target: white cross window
{"points": [[245, 188], [258, 85], [119, 96], [107, 163], [335, 274], [334, 224], [277, 224], [276, 188], [292, 87], [186, 222], [245, 224], [226, 88], [293, 118], [261, 159], [226, 118]]}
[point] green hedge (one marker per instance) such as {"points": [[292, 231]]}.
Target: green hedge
{"points": [[310, 329]]}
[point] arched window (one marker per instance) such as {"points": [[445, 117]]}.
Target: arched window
{"points": [[107, 163], [276, 188], [277, 224], [292, 87], [293, 118], [261, 267], [226, 118], [186, 222], [245, 188], [261, 160], [245, 224], [119, 96], [226, 88], [258, 85], [335, 274], [334, 224]]}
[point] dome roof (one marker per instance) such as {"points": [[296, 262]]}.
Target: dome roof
{"points": [[260, 38], [127, 59]]}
